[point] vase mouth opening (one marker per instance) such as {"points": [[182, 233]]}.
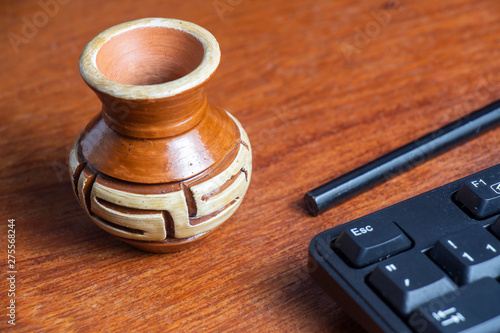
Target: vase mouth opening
{"points": [[150, 59], [149, 56]]}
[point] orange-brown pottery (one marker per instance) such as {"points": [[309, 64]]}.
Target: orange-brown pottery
{"points": [[159, 167]]}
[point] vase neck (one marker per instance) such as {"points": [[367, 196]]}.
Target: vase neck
{"points": [[150, 75], [155, 118]]}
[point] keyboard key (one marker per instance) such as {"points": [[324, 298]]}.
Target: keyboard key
{"points": [[473, 308], [399, 290], [495, 228], [469, 255], [365, 242], [481, 196], [408, 281]]}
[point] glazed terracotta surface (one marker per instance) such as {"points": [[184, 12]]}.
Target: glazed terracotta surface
{"points": [[159, 167]]}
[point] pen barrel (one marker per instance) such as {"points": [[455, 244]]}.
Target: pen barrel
{"points": [[401, 159]]}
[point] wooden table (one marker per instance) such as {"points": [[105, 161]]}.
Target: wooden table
{"points": [[321, 87]]}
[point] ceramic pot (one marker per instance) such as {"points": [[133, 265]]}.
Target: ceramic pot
{"points": [[159, 167]]}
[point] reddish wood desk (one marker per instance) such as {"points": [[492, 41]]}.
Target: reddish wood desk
{"points": [[321, 87]]}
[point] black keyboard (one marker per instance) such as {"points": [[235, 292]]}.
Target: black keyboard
{"points": [[427, 264]]}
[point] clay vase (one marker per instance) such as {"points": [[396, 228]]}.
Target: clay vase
{"points": [[159, 167]]}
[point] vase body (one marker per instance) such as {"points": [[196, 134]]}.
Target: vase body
{"points": [[159, 167]]}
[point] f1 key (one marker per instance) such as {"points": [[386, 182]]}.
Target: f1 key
{"points": [[481, 196]]}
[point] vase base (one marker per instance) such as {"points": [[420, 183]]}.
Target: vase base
{"points": [[169, 245]]}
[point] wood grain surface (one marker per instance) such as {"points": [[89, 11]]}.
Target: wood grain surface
{"points": [[321, 87]]}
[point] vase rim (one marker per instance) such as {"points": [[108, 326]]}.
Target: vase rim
{"points": [[98, 81]]}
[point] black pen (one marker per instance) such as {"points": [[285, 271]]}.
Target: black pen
{"points": [[401, 159]]}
